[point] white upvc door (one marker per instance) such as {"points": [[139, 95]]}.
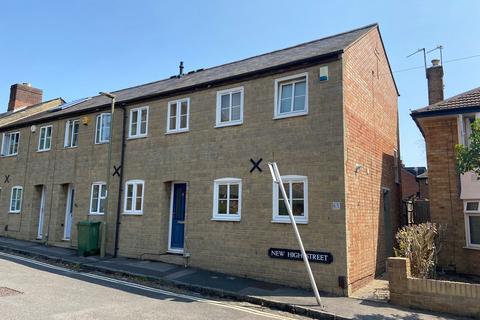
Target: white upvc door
{"points": [[69, 212], [41, 215]]}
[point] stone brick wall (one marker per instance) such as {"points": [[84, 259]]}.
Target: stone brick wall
{"points": [[446, 207], [432, 295], [371, 136]]}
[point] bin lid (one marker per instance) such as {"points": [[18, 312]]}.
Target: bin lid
{"points": [[87, 223]]}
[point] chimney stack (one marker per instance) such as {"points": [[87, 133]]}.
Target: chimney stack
{"points": [[435, 82], [23, 95]]}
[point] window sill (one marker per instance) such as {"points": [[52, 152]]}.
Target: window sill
{"points": [[41, 151], [132, 213], [9, 155], [231, 218], [228, 124], [470, 247], [177, 131], [100, 143], [95, 214], [290, 115], [15, 212], [137, 137], [287, 221], [73, 147]]}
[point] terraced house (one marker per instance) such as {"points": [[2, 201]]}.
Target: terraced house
{"points": [[184, 187]]}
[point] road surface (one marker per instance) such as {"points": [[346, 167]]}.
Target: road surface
{"points": [[31, 289]]}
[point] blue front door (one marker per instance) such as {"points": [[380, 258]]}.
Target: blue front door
{"points": [[178, 216]]}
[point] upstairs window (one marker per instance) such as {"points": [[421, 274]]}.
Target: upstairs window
{"points": [[71, 133], [45, 139], [291, 96], [178, 115], [102, 132], [227, 199], [138, 122], [472, 223], [98, 198], [16, 199], [229, 107], [296, 188], [10, 143], [395, 166], [134, 197], [465, 127]]}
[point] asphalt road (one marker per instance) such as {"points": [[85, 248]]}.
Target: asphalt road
{"points": [[44, 291]]}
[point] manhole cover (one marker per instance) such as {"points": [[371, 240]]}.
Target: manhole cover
{"points": [[4, 292]]}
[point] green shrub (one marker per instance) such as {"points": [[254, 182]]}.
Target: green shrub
{"points": [[420, 244]]}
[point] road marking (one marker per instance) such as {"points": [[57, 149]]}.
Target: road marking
{"points": [[145, 288]]}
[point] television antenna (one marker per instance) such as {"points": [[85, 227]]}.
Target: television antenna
{"points": [[439, 48], [424, 57]]}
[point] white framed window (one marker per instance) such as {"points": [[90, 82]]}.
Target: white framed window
{"points": [[229, 107], [178, 115], [45, 138], [296, 188], [227, 199], [16, 199], [465, 127], [291, 96], [138, 122], [102, 128], [134, 190], [10, 143], [71, 133], [472, 223], [98, 198]]}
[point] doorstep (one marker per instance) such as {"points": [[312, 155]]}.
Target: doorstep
{"points": [[271, 295]]}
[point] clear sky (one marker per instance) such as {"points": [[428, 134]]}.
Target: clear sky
{"points": [[74, 49]]}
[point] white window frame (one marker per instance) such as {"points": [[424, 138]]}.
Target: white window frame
{"points": [[462, 131], [290, 179], [19, 209], [99, 117], [44, 129], [134, 183], [231, 91], [178, 118], [228, 216], [139, 110], [475, 213], [68, 140], [100, 198], [3, 152], [289, 80]]}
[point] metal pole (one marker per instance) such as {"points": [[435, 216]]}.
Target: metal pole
{"points": [[103, 243], [278, 180]]}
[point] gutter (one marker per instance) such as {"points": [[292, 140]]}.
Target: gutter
{"points": [[448, 112], [205, 85], [120, 183]]}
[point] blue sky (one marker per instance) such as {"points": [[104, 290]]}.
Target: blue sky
{"points": [[74, 49]]}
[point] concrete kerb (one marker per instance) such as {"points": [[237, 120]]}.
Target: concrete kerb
{"points": [[214, 292]]}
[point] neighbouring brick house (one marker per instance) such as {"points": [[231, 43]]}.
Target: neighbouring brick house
{"points": [[454, 199], [325, 111]]}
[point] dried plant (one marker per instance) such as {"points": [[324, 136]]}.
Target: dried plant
{"points": [[420, 243]]}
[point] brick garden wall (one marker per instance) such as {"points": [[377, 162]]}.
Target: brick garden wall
{"points": [[432, 295], [371, 135]]}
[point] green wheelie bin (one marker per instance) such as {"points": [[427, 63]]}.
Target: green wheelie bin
{"points": [[88, 238]]}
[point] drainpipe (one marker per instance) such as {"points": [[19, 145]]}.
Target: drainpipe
{"points": [[120, 184]]}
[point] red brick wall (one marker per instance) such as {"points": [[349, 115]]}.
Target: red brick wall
{"points": [[410, 186], [446, 207], [371, 135]]}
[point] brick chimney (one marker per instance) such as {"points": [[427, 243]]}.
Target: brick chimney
{"points": [[435, 82], [23, 95]]}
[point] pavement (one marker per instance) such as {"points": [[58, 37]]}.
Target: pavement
{"points": [[293, 300]]}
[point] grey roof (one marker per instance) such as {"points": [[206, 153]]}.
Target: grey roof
{"points": [[309, 50], [466, 100], [423, 175]]}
